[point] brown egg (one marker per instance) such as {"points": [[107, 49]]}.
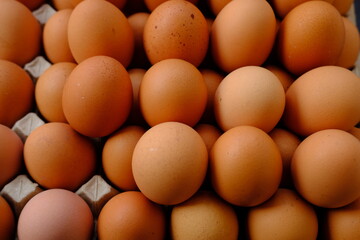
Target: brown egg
{"points": [[11, 161], [283, 7], [16, 92], [209, 134], [62, 4], [343, 6], [172, 90], [99, 28], [7, 221], [118, 3], [117, 155], [169, 163], [137, 22], [343, 223], [20, 35], [245, 166], [55, 214], [325, 168], [130, 215], [325, 97], [204, 216], [243, 34], [311, 35], [217, 5], [351, 47], [176, 29], [285, 77], [56, 156], [97, 96], [32, 4], [55, 39], [49, 91], [287, 143], [152, 4], [250, 95], [355, 131], [284, 216], [135, 117]]}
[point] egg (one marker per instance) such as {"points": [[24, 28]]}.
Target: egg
{"points": [[20, 35], [118, 3], [169, 163], [343, 6], [284, 216], [7, 221], [243, 33], [325, 168], [217, 5], [204, 216], [249, 95], [176, 29], [97, 96], [99, 28], [172, 90], [32, 4], [11, 161], [130, 215], [49, 90], [62, 4], [55, 38], [355, 131], [56, 156], [16, 93], [245, 166], [284, 76], [311, 35], [152, 4], [322, 98], [55, 214], [135, 117], [209, 134], [117, 156]]}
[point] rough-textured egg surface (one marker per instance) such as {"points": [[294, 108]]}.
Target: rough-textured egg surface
{"points": [[179, 119]]}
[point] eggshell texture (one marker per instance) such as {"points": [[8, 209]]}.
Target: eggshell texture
{"points": [[117, 155], [243, 34], [204, 216], [56, 156], [20, 33], [55, 37], [49, 90], [325, 168], [172, 90], [55, 214], [7, 221], [245, 166], [11, 160], [99, 28], [169, 163], [97, 96], [284, 216], [130, 215], [325, 97], [176, 29], [343, 223], [311, 35], [351, 48], [16, 92], [343, 6], [250, 95], [152, 4]]}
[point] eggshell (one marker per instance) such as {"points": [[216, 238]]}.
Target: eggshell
{"points": [[55, 37], [250, 95], [355, 131], [152, 4], [217, 5], [16, 92], [49, 90], [130, 215], [204, 216], [209, 134], [135, 117], [7, 221], [117, 155], [32, 4], [245, 166], [243, 34], [62, 4], [325, 168], [56, 156], [55, 214], [20, 33], [118, 3], [169, 163], [284, 216], [11, 160], [311, 35], [284, 76], [97, 96], [99, 28], [172, 90], [343, 6], [176, 29], [323, 98]]}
